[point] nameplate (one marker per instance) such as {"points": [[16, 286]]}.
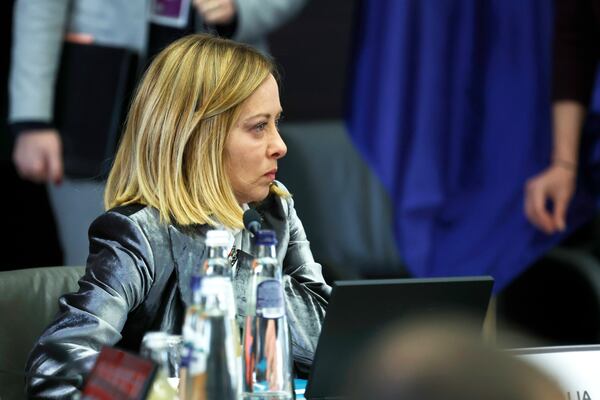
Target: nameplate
{"points": [[119, 375], [575, 368]]}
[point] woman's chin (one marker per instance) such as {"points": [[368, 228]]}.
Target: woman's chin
{"points": [[256, 197]]}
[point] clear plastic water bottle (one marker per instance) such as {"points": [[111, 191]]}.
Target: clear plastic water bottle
{"points": [[211, 360], [267, 368]]}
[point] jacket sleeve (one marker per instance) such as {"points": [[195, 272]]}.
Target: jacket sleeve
{"points": [[118, 276], [39, 28], [576, 51], [257, 18], [307, 293]]}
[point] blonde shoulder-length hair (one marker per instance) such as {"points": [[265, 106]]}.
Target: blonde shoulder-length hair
{"points": [[171, 155]]}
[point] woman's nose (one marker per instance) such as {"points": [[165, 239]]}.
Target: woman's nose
{"points": [[277, 147]]}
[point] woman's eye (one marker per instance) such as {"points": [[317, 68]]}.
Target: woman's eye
{"points": [[260, 126]]}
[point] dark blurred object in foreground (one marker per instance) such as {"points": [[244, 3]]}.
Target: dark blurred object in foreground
{"points": [[440, 359]]}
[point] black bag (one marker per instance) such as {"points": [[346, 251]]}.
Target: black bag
{"points": [[93, 89]]}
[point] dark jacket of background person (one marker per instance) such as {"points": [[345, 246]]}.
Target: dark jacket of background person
{"points": [[137, 280], [576, 49]]}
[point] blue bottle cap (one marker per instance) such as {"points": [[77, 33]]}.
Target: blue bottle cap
{"points": [[266, 237]]}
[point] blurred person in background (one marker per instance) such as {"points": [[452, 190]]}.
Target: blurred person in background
{"points": [[445, 359], [41, 28], [575, 61]]}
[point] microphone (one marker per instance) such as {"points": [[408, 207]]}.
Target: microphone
{"points": [[252, 220]]}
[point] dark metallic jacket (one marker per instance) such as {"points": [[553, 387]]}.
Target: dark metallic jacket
{"points": [[137, 280]]}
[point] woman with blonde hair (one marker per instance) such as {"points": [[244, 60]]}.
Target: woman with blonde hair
{"points": [[200, 146]]}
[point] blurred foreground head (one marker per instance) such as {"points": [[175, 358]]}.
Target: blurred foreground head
{"points": [[446, 360]]}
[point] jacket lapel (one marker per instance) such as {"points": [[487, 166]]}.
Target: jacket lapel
{"points": [[274, 217], [189, 251]]}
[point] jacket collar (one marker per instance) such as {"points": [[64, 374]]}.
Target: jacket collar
{"points": [[189, 249]]}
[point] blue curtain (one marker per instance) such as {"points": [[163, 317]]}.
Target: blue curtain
{"points": [[450, 106]]}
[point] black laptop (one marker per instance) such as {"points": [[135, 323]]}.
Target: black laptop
{"points": [[359, 310]]}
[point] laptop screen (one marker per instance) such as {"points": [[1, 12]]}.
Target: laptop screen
{"points": [[360, 310]]}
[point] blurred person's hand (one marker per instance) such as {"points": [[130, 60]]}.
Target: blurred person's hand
{"points": [[557, 184], [37, 156], [216, 12]]}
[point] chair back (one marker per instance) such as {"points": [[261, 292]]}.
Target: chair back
{"points": [[28, 303]]}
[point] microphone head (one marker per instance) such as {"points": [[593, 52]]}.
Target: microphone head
{"points": [[252, 220]]}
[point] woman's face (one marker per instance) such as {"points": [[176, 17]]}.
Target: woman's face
{"points": [[254, 144]]}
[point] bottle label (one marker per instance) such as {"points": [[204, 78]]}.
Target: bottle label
{"points": [[215, 286], [196, 346], [195, 333], [269, 299], [221, 289]]}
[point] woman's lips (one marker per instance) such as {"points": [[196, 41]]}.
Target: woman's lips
{"points": [[271, 174]]}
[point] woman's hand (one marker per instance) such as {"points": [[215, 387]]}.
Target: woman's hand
{"points": [[555, 183]]}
